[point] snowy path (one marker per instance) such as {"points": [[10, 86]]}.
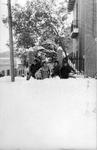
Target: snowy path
{"points": [[52, 113]]}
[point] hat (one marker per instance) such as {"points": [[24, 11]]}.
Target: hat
{"points": [[65, 60], [59, 48], [56, 61]]}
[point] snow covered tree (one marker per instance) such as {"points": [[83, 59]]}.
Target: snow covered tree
{"points": [[38, 21]]}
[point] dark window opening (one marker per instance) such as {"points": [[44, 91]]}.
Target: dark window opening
{"points": [[8, 72]]}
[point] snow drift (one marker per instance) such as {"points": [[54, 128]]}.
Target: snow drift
{"points": [[47, 114]]}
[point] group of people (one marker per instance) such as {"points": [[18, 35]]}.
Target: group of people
{"points": [[64, 71], [42, 71]]}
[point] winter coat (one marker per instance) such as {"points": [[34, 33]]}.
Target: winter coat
{"points": [[34, 68], [42, 73], [56, 71], [65, 70]]}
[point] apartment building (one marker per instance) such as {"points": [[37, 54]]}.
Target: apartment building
{"points": [[84, 35], [19, 69]]}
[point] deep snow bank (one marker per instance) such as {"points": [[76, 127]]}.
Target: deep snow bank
{"points": [[50, 113]]}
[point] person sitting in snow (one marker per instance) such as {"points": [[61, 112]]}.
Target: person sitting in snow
{"points": [[66, 69], [56, 69], [43, 72], [33, 69]]}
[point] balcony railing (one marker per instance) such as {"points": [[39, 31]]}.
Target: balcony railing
{"points": [[71, 5], [74, 29]]}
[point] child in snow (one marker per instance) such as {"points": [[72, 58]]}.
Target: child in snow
{"points": [[65, 70], [34, 67], [56, 69], [43, 72]]}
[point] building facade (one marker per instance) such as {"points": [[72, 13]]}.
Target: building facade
{"points": [[84, 35], [19, 69]]}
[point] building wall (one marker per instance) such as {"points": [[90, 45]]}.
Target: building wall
{"points": [[87, 22], [5, 67], [78, 42], [90, 44], [81, 26]]}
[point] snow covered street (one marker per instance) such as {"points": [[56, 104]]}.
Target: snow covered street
{"points": [[47, 114]]}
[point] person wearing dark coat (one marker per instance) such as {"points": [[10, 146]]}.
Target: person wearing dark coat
{"points": [[34, 67], [65, 70], [43, 72], [56, 69]]}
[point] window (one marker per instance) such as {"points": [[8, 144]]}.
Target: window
{"points": [[3, 72], [8, 72]]}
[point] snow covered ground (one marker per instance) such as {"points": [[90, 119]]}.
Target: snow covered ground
{"points": [[47, 114]]}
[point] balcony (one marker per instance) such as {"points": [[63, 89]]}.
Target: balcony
{"points": [[74, 29], [71, 5]]}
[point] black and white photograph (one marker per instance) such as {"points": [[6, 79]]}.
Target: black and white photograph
{"points": [[48, 74]]}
